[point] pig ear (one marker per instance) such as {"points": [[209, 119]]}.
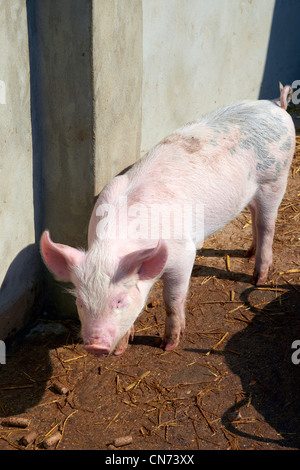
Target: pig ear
{"points": [[153, 265], [60, 259], [146, 264]]}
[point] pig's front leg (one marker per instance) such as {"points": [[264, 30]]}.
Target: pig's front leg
{"points": [[175, 322], [123, 343], [176, 284]]}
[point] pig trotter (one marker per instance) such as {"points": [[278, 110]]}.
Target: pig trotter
{"points": [[171, 342], [123, 343], [259, 278]]}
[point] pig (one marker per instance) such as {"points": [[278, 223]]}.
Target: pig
{"points": [[235, 157]]}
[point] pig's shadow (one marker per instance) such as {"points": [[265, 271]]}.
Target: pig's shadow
{"points": [[28, 368], [201, 270], [261, 355]]}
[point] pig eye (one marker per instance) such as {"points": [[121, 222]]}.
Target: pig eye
{"points": [[119, 302]]}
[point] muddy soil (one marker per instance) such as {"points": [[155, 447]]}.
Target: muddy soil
{"points": [[231, 383]]}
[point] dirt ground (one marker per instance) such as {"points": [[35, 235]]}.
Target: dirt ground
{"points": [[230, 384]]}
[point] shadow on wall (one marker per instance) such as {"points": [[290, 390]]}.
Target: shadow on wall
{"points": [[19, 293], [61, 115], [283, 60], [36, 111]]}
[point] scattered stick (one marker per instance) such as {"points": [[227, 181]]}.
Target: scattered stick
{"points": [[231, 438], [51, 430], [28, 438], [227, 260], [204, 415], [196, 433], [290, 271], [276, 289], [135, 384], [52, 440], [114, 418], [120, 372], [119, 386], [16, 422], [64, 425], [217, 344], [122, 441], [290, 284], [74, 358], [60, 388], [13, 444]]}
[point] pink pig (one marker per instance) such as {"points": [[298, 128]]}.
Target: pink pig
{"points": [[148, 221]]}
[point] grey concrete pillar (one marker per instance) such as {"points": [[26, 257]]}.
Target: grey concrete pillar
{"points": [[86, 64]]}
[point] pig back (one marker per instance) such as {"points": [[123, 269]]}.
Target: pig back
{"points": [[217, 163]]}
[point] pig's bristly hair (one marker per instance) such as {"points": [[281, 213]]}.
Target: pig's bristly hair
{"points": [[93, 276]]}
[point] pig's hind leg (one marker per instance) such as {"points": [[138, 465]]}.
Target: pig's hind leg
{"points": [[251, 252], [176, 284], [267, 201]]}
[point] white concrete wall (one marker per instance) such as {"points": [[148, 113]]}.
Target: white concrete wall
{"points": [[17, 233], [118, 71], [199, 55]]}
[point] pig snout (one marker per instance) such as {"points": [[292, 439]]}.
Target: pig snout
{"points": [[99, 343], [97, 350]]}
